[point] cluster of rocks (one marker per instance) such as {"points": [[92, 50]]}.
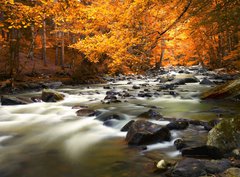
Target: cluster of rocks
{"points": [[219, 156], [48, 95]]}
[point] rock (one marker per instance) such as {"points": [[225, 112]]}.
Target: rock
{"points": [[229, 90], [206, 81], [136, 87], [150, 114], [189, 167], [109, 116], [11, 100], [148, 95], [144, 132], [179, 144], [208, 152], [162, 165], [51, 96], [177, 125], [209, 125], [87, 112], [225, 135], [184, 78], [107, 87], [231, 172], [126, 127], [216, 166]]}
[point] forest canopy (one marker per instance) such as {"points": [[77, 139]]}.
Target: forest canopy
{"points": [[119, 36]]}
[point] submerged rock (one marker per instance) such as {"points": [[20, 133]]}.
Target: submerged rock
{"points": [[49, 95], [230, 90], [150, 114], [189, 167], [144, 132], [225, 135], [87, 112], [11, 100]]}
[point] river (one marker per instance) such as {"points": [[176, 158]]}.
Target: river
{"points": [[50, 140]]}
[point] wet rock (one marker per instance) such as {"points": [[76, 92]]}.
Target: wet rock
{"points": [[209, 125], [11, 100], [109, 116], [136, 87], [173, 93], [148, 95], [230, 90], [208, 152], [189, 167], [107, 87], [144, 132], [177, 125], [225, 135], [87, 112], [231, 172], [206, 81], [184, 78], [216, 166], [49, 95], [126, 127], [179, 144], [150, 114]]}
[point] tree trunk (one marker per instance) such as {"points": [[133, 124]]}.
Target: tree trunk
{"points": [[32, 45], [62, 50], [14, 38], [159, 63], [56, 49], [44, 43]]}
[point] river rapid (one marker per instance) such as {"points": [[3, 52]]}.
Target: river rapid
{"points": [[50, 140]]}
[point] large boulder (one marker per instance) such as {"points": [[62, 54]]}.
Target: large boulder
{"points": [[225, 135], [49, 95], [11, 100], [144, 132], [229, 90], [184, 78]]}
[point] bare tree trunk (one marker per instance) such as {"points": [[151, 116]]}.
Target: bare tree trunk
{"points": [[62, 50], [159, 63], [44, 43], [56, 48], [14, 38], [32, 45]]}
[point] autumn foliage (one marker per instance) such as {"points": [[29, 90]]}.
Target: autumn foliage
{"points": [[122, 36]]}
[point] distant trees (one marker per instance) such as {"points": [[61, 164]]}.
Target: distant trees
{"points": [[124, 36]]}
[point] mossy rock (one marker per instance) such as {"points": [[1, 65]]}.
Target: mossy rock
{"points": [[225, 135], [49, 95], [228, 90]]}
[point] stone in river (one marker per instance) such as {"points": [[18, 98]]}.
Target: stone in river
{"points": [[144, 132], [49, 95]]}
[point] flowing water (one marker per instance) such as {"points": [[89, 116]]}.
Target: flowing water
{"points": [[50, 140]]}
